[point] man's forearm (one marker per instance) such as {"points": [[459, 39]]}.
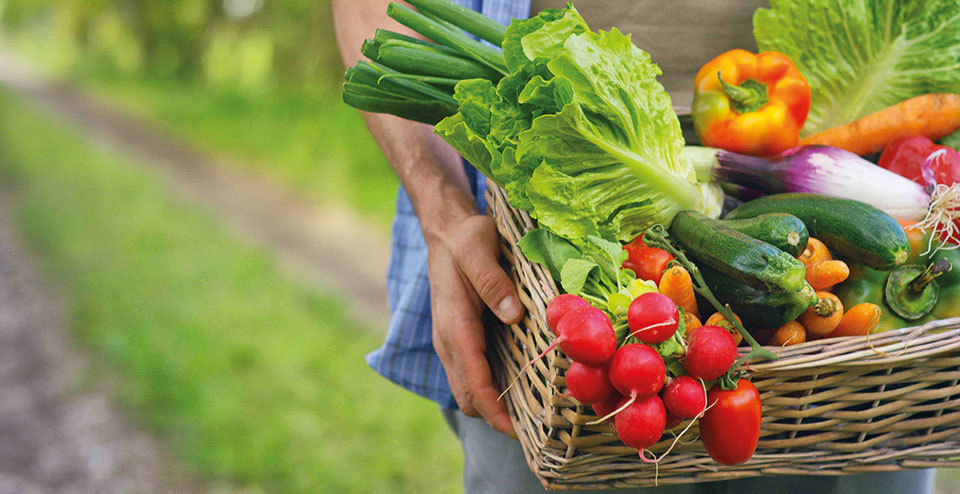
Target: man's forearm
{"points": [[429, 169]]}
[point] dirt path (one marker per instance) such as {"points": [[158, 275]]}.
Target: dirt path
{"points": [[59, 430], [329, 247]]}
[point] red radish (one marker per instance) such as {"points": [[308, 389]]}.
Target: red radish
{"points": [[711, 350], [653, 318], [684, 397], [672, 420], [588, 384], [642, 422], [637, 370], [585, 335], [559, 306], [606, 407]]}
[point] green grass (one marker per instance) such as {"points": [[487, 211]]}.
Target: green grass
{"points": [[248, 375], [307, 140]]}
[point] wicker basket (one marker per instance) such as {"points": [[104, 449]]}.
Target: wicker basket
{"points": [[829, 407]]}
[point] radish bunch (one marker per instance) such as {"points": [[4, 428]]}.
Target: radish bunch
{"points": [[621, 372]]}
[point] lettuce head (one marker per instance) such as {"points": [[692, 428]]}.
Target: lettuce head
{"points": [[580, 133], [861, 56]]}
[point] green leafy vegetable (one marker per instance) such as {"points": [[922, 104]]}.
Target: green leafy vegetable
{"points": [[547, 248], [860, 57], [574, 274], [579, 133]]}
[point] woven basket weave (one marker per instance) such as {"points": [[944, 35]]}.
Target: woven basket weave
{"points": [[830, 407]]}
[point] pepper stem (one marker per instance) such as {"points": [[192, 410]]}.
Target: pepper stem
{"points": [[933, 270], [748, 97]]}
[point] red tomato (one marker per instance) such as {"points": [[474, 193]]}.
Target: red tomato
{"points": [[905, 156], [730, 428], [647, 262]]}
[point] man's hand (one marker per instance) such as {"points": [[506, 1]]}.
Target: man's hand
{"points": [[464, 277], [463, 244]]}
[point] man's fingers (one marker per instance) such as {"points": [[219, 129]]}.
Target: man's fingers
{"points": [[464, 402], [478, 262], [477, 380]]}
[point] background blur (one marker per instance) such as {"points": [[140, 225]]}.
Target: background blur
{"points": [[193, 241]]}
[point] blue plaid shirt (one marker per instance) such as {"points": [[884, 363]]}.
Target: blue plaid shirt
{"points": [[407, 357]]}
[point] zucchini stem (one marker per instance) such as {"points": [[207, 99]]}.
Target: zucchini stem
{"points": [[656, 236]]}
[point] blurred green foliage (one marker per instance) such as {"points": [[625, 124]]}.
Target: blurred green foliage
{"points": [[250, 375], [229, 42], [255, 80]]}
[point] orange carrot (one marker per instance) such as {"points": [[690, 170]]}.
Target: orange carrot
{"points": [[824, 317], [932, 115], [677, 286], [691, 322], [790, 333], [824, 274], [816, 251], [717, 319], [860, 320]]}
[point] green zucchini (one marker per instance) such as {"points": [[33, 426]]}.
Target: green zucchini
{"points": [[783, 231], [754, 262], [851, 229], [758, 308]]}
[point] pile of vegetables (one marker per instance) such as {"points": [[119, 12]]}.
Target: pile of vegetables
{"points": [[574, 125]]}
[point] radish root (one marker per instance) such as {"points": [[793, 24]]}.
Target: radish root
{"points": [[633, 398], [944, 208], [657, 325], [528, 364], [656, 461]]}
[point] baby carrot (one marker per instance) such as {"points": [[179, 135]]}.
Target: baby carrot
{"points": [[824, 274], [790, 333], [677, 286], [860, 320], [816, 251], [717, 319], [691, 322], [931, 115], [824, 317]]}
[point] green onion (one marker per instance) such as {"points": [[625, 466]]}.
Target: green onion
{"points": [[425, 111], [457, 40], [370, 48], [436, 81], [416, 61], [470, 21], [382, 36], [380, 77]]}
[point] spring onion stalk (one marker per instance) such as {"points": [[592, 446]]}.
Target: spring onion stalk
{"points": [[457, 40], [410, 60], [446, 82], [382, 36], [369, 87], [371, 49], [372, 73], [470, 21]]}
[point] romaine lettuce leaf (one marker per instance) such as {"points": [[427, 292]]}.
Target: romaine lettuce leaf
{"points": [[862, 56], [580, 133]]}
